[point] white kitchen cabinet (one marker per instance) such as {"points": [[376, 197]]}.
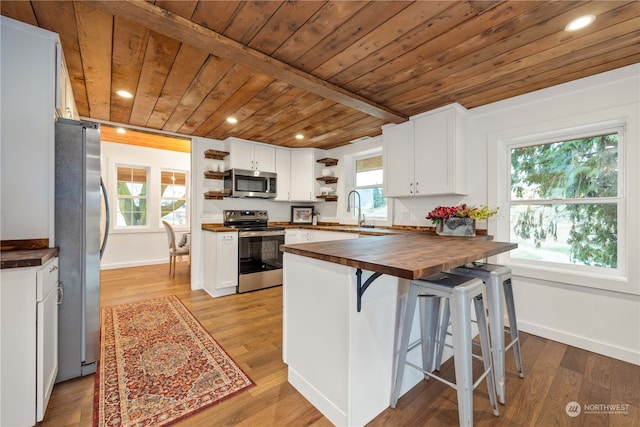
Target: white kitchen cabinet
{"points": [[250, 155], [303, 235], [65, 101], [29, 86], [28, 342], [220, 263], [303, 172], [426, 155], [283, 171]]}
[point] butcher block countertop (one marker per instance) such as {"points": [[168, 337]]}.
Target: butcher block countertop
{"points": [[26, 257], [406, 255]]}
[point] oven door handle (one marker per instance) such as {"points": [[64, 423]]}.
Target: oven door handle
{"points": [[260, 233]]}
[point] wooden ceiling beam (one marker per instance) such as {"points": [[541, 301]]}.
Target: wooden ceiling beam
{"points": [[179, 28]]}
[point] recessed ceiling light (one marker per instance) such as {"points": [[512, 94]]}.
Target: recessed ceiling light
{"points": [[299, 136], [580, 23], [124, 94], [232, 120], [120, 130]]}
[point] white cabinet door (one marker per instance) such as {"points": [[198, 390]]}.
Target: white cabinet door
{"points": [[303, 175], [251, 156], [283, 170], [264, 158], [221, 263], [227, 260], [47, 335], [241, 154], [397, 143], [439, 148]]}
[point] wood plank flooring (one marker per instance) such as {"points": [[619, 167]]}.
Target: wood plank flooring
{"points": [[249, 327]]}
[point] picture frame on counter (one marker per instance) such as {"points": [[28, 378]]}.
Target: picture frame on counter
{"points": [[301, 214]]}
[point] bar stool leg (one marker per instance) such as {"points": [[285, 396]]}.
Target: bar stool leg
{"points": [[429, 314], [404, 343], [513, 325], [443, 327], [483, 332], [461, 331], [496, 327]]}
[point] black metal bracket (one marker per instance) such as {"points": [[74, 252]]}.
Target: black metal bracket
{"points": [[363, 287]]}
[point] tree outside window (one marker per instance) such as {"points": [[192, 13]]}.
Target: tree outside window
{"points": [[131, 197], [173, 202], [564, 201]]}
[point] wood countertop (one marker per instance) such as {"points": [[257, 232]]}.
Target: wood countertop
{"points": [[218, 228], [26, 257], [408, 255]]}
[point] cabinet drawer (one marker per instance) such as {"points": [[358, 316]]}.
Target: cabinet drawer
{"points": [[47, 279]]}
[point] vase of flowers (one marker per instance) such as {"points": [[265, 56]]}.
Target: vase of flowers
{"points": [[458, 220]]}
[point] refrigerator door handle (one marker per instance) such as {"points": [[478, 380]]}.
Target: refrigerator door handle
{"points": [[107, 217]]}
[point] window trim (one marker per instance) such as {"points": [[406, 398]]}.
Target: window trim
{"points": [[499, 173]]}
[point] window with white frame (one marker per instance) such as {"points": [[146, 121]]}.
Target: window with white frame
{"points": [[131, 194], [566, 200], [368, 183], [173, 197]]}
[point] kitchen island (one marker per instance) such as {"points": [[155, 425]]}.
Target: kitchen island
{"points": [[342, 305]]}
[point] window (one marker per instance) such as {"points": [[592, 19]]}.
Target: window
{"points": [[131, 197], [565, 201], [368, 183], [173, 199]]}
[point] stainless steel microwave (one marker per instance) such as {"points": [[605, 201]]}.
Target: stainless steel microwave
{"points": [[250, 183]]}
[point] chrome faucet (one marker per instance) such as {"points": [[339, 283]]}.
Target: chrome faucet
{"points": [[360, 216]]}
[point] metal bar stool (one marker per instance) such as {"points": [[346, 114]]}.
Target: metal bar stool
{"points": [[459, 291], [497, 279]]}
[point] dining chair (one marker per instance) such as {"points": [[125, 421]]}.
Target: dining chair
{"points": [[174, 250]]}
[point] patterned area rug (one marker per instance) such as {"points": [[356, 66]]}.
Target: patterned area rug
{"points": [[159, 365]]}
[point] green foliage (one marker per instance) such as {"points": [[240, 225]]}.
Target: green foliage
{"points": [[133, 209], [378, 199], [576, 169]]}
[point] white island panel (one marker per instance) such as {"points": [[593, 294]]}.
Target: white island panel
{"points": [[339, 359]]}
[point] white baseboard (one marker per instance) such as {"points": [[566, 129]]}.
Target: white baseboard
{"points": [[584, 343], [317, 399], [130, 264]]}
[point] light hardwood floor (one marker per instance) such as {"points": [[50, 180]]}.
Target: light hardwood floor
{"points": [[249, 327]]}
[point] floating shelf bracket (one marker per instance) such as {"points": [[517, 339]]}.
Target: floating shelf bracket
{"points": [[363, 287]]}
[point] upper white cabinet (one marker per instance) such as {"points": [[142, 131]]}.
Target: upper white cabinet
{"points": [[250, 155], [283, 170], [29, 84], [65, 102], [426, 155], [302, 179]]}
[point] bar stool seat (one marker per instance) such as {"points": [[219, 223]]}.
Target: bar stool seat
{"points": [[459, 292], [497, 279]]}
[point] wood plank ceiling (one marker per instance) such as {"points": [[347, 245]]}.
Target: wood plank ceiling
{"points": [[334, 71]]}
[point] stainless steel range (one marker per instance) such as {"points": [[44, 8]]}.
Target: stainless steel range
{"points": [[259, 256]]}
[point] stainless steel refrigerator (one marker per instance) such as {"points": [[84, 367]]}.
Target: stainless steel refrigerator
{"points": [[78, 205]]}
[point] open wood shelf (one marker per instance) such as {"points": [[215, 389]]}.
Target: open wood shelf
{"points": [[328, 161], [328, 179], [215, 154], [215, 195], [214, 175], [328, 197]]}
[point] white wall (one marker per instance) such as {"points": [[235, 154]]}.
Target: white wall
{"points": [[128, 248]]}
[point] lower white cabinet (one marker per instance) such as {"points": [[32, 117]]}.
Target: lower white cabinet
{"points": [[28, 342], [220, 263], [301, 235]]}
